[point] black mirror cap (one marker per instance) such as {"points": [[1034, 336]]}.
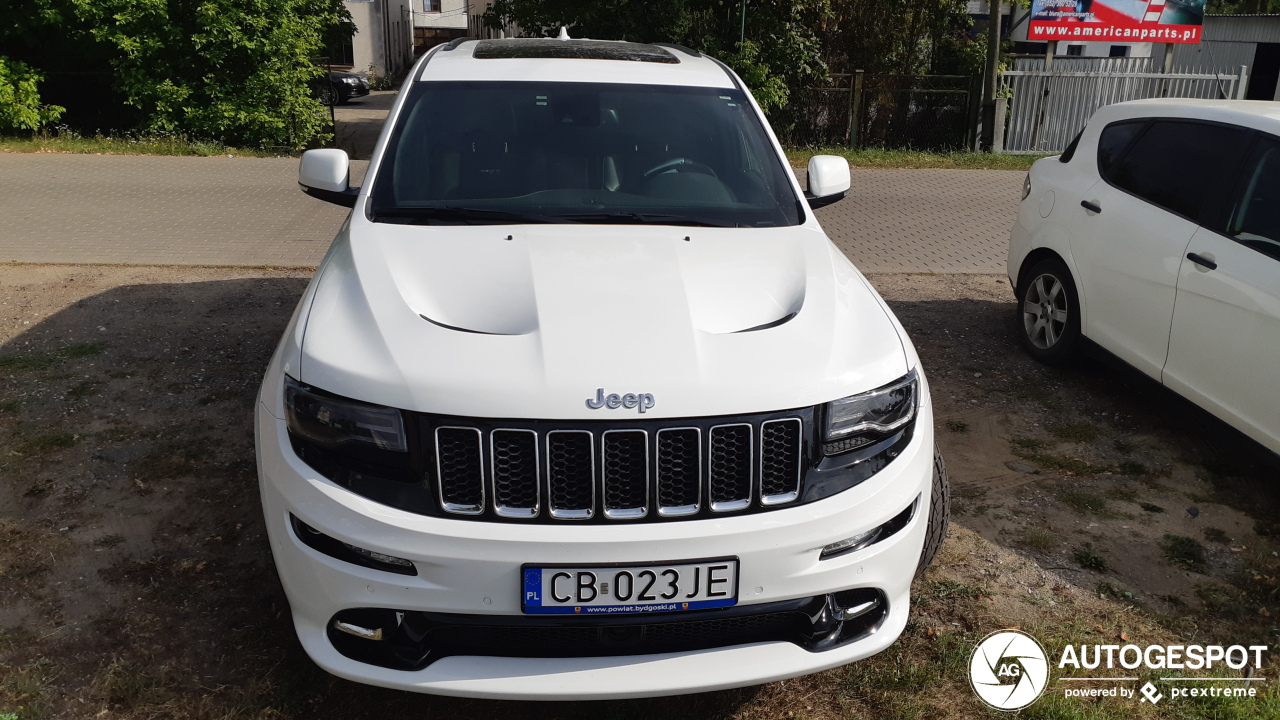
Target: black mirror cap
{"points": [[825, 200], [345, 198]]}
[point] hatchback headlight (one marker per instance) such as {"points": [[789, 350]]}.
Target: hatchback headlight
{"points": [[334, 422], [877, 412]]}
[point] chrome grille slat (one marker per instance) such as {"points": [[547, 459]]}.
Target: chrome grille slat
{"points": [[729, 464], [459, 470], [624, 471], [501, 470], [513, 455], [780, 461], [679, 471], [571, 474]]}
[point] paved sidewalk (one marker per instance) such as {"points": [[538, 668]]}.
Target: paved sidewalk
{"points": [[145, 210]]}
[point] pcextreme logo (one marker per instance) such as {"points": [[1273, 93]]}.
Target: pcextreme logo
{"points": [[1009, 670]]}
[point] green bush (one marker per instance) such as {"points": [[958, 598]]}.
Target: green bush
{"points": [[20, 107], [237, 71]]}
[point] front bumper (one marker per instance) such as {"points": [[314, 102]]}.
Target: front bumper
{"points": [[473, 569]]}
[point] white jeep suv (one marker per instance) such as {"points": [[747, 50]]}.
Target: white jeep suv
{"points": [[582, 403]]}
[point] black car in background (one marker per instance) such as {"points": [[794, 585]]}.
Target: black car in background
{"points": [[341, 86]]}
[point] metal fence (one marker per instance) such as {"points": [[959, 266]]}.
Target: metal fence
{"points": [[922, 112], [1049, 107]]}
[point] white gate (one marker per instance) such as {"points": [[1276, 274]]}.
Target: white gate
{"points": [[1048, 107]]}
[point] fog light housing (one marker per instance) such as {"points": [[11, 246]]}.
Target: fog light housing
{"points": [[848, 545], [852, 604], [872, 536], [347, 552]]}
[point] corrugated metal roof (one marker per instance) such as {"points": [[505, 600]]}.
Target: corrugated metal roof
{"points": [[1242, 28]]}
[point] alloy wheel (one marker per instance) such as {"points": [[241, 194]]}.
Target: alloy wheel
{"points": [[1044, 311]]}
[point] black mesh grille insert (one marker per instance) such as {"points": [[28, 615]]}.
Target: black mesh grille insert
{"points": [[461, 474], [679, 468], [730, 466], [780, 459], [626, 473], [515, 470], [570, 473]]}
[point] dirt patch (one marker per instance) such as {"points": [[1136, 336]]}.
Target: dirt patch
{"points": [[136, 580], [1096, 471]]}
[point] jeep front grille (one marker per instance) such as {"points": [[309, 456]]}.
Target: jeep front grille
{"points": [[614, 472]]}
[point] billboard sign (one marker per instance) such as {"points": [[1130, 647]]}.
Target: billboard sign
{"points": [[1123, 21]]}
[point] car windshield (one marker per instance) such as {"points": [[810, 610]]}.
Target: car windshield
{"points": [[600, 153]]}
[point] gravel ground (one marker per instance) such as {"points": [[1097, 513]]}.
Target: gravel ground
{"points": [[136, 580]]}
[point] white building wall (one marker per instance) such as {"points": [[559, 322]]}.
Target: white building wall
{"points": [[384, 35], [452, 14]]}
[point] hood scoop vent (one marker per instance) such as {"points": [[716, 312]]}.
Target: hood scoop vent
{"points": [[437, 323], [780, 321]]}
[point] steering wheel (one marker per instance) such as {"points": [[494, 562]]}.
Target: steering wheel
{"points": [[681, 165]]}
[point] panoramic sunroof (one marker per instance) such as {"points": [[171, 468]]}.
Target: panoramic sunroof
{"points": [[573, 49]]}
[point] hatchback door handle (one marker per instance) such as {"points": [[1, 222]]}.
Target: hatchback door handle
{"points": [[1202, 261], [1091, 206]]}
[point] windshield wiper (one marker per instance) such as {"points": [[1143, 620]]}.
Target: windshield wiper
{"points": [[466, 215], [635, 218]]}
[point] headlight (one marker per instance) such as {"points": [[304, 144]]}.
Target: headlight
{"points": [[1026, 187], [351, 80], [878, 412], [334, 422]]}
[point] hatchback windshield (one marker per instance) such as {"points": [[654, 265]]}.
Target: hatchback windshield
{"points": [[517, 152]]}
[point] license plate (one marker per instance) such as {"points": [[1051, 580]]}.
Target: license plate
{"points": [[610, 590]]}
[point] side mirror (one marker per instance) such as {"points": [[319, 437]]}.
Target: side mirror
{"points": [[325, 174], [829, 180]]}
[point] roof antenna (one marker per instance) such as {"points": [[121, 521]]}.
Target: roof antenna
{"points": [[564, 33]]}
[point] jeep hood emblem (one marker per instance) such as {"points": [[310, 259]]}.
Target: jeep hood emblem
{"points": [[643, 401]]}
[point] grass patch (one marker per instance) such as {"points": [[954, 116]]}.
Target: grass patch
{"points": [[108, 541], [877, 158], [1037, 539], [84, 388], [72, 142], [1218, 535], [10, 406], [957, 425], [1038, 395], [46, 443], [1061, 463], [168, 461], [1082, 501], [1151, 508], [952, 590], [1075, 432], [44, 361], [1107, 590], [1186, 552], [1089, 559], [1026, 443], [1132, 467], [128, 685]]}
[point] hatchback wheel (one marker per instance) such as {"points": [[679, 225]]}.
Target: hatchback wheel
{"points": [[329, 96], [1049, 313]]}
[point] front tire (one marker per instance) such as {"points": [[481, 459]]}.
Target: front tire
{"points": [[939, 513], [1049, 313]]}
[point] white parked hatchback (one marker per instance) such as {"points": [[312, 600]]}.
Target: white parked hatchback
{"points": [[582, 403], [1156, 237]]}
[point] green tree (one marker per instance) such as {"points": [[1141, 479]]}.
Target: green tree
{"points": [[238, 71], [780, 49], [908, 38], [20, 106]]}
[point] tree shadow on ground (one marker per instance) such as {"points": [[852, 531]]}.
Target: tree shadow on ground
{"points": [[132, 532]]}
